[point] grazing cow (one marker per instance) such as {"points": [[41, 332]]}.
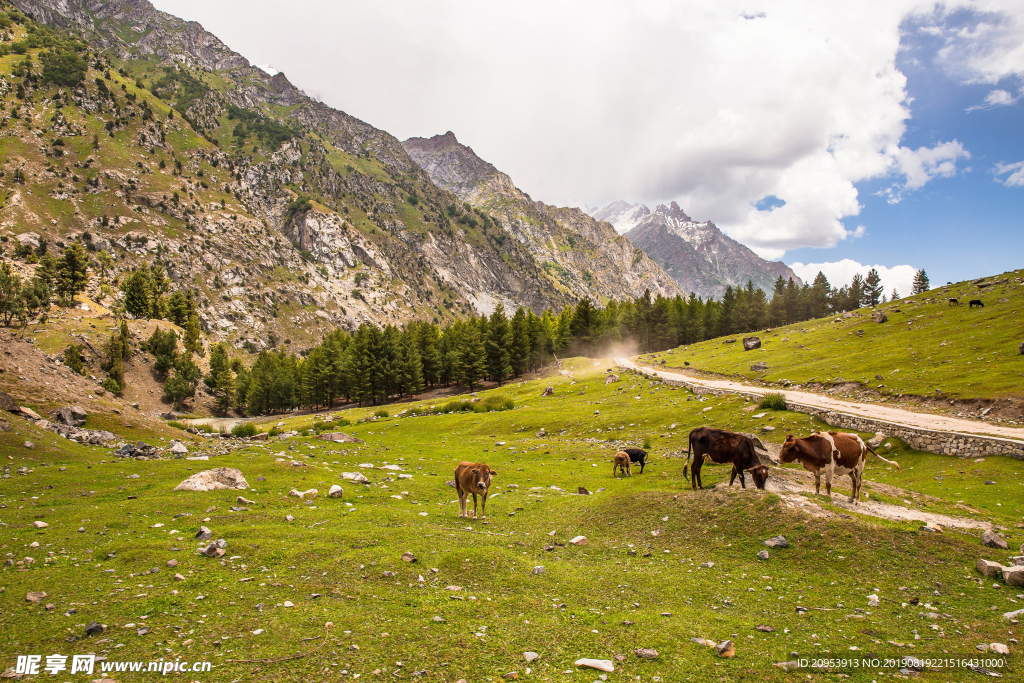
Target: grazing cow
{"points": [[475, 478], [976, 302], [954, 302], [636, 455], [724, 447], [831, 454], [621, 462]]}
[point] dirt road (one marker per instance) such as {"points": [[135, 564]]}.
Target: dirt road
{"points": [[869, 410]]}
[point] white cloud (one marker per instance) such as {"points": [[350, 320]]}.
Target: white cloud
{"points": [[841, 273], [1016, 171], [713, 104], [995, 98], [981, 45]]}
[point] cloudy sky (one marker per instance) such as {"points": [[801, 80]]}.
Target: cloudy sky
{"points": [[835, 136]]}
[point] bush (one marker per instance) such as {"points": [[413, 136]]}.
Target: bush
{"points": [[773, 401], [647, 443], [111, 385], [274, 431], [73, 358], [380, 412], [243, 429], [485, 405]]}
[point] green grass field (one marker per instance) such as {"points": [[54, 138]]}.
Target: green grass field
{"points": [[637, 583], [927, 346]]}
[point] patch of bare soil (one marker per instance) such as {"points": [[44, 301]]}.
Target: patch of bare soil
{"points": [[796, 488]]}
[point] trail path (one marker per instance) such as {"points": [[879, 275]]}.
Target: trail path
{"points": [[868, 410]]}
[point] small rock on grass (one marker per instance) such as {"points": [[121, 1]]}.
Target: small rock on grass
{"points": [[244, 501], [762, 554], [1013, 576], [578, 540], [335, 491], [34, 596], [172, 563], [646, 653], [94, 628], [999, 648], [994, 540], [40, 525], [777, 542], [764, 629], [530, 656], [204, 534], [599, 664], [725, 649], [408, 557]]}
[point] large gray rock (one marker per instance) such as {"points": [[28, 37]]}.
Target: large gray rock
{"points": [[340, 436], [994, 540], [989, 569], [177, 447], [357, 477], [8, 403], [611, 379], [335, 491], [548, 391], [751, 343], [879, 317], [777, 542], [73, 416], [212, 480], [1013, 576], [759, 366]]}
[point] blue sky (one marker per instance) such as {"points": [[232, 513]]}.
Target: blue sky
{"points": [[965, 226]]}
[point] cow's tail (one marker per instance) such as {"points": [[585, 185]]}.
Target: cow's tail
{"points": [[689, 446], [891, 462]]}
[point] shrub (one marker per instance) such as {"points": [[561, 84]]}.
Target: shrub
{"points": [[111, 385], [647, 443], [177, 425], [73, 358], [274, 431], [380, 412], [773, 401], [243, 429]]}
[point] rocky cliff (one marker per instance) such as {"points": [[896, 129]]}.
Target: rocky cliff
{"points": [[585, 256]]}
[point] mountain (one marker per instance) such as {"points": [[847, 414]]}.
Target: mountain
{"points": [[622, 215], [286, 218], [699, 256], [585, 256]]}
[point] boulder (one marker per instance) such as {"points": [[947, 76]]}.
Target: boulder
{"points": [[94, 628], [72, 416], [548, 391], [1017, 561], [1013, 576], [335, 491], [879, 317], [8, 403], [876, 440], [212, 480], [357, 477], [204, 534], [28, 413], [177, 447], [751, 343], [777, 542], [599, 664], [762, 555], [994, 540], [759, 366], [989, 569], [1021, 348], [340, 436], [611, 379]]}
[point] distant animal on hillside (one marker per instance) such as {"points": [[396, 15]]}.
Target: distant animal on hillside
{"points": [[636, 455], [831, 454], [621, 462], [976, 302], [724, 447], [475, 478], [954, 302]]}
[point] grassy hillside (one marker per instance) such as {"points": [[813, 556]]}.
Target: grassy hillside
{"points": [[926, 347], [597, 600]]}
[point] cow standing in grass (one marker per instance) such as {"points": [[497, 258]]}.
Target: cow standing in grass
{"points": [[831, 454], [475, 478], [724, 447], [622, 462]]}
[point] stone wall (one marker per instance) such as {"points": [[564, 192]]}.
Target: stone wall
{"points": [[930, 440]]}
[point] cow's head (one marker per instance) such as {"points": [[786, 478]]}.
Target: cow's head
{"points": [[789, 450], [482, 476], [759, 475]]}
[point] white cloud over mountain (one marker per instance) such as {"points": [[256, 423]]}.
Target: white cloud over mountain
{"points": [[716, 105], [841, 273]]}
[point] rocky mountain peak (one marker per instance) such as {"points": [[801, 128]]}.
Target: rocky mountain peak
{"points": [[673, 212], [452, 165]]}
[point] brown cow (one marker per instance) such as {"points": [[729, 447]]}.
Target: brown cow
{"points": [[722, 447], [475, 478], [622, 462], [832, 453]]}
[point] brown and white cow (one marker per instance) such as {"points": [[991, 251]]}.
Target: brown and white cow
{"points": [[724, 447], [831, 454], [622, 462], [475, 478]]}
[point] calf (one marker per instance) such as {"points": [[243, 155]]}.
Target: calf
{"points": [[831, 454], [954, 302], [636, 455], [976, 302], [621, 462], [724, 447], [475, 478]]}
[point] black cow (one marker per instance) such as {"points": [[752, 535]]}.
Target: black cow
{"points": [[636, 455], [976, 302], [724, 447], [954, 302]]}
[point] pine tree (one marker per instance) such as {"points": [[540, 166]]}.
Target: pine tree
{"points": [[412, 369], [895, 295], [872, 288], [471, 357], [137, 293], [192, 340], [71, 272], [499, 339], [921, 284]]}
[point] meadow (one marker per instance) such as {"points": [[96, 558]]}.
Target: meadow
{"points": [[926, 348], [662, 563]]}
